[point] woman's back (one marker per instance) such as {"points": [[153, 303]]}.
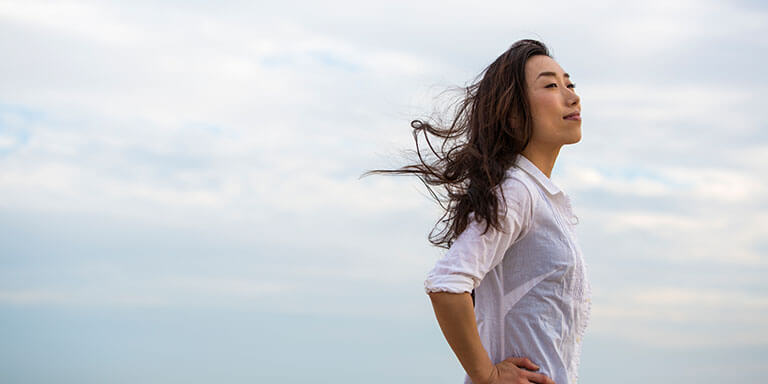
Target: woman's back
{"points": [[534, 299], [540, 289]]}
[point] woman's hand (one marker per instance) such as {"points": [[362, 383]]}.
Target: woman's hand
{"points": [[511, 371]]}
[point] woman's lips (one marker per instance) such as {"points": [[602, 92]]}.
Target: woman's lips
{"points": [[573, 117]]}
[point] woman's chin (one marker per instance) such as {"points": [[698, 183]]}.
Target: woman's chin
{"points": [[574, 137]]}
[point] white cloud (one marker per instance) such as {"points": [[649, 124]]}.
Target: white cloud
{"points": [[149, 292], [253, 122], [721, 185], [703, 236], [86, 20], [670, 316], [705, 106], [659, 28]]}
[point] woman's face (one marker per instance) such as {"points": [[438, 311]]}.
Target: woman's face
{"points": [[551, 97]]}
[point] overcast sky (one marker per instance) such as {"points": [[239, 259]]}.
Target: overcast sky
{"points": [[180, 197]]}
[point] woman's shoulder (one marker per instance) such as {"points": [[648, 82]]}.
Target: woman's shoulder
{"points": [[518, 185], [517, 200], [517, 195]]}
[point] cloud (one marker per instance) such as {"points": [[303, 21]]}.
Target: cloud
{"points": [[228, 139], [680, 317], [721, 185], [165, 291], [86, 20], [658, 27]]}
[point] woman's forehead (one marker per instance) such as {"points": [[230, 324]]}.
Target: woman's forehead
{"points": [[543, 66], [542, 63]]}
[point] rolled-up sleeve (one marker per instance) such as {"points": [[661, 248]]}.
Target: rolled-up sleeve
{"points": [[473, 254]]}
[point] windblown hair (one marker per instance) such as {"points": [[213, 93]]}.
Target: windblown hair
{"points": [[492, 125]]}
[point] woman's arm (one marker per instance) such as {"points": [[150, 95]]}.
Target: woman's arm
{"points": [[471, 256], [456, 317]]}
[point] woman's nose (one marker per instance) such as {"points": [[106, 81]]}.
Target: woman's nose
{"points": [[573, 98]]}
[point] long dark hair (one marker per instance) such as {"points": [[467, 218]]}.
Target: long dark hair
{"points": [[492, 125]]}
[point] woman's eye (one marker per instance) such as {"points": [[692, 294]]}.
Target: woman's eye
{"points": [[570, 85]]}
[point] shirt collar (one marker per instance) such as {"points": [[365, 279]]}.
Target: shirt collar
{"points": [[537, 174]]}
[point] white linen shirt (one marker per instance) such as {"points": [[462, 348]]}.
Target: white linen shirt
{"points": [[532, 295]]}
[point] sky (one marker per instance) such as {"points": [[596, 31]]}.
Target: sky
{"points": [[181, 201]]}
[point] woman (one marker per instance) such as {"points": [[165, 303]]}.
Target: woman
{"points": [[512, 250]]}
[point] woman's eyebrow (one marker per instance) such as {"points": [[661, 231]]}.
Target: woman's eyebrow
{"points": [[551, 74]]}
